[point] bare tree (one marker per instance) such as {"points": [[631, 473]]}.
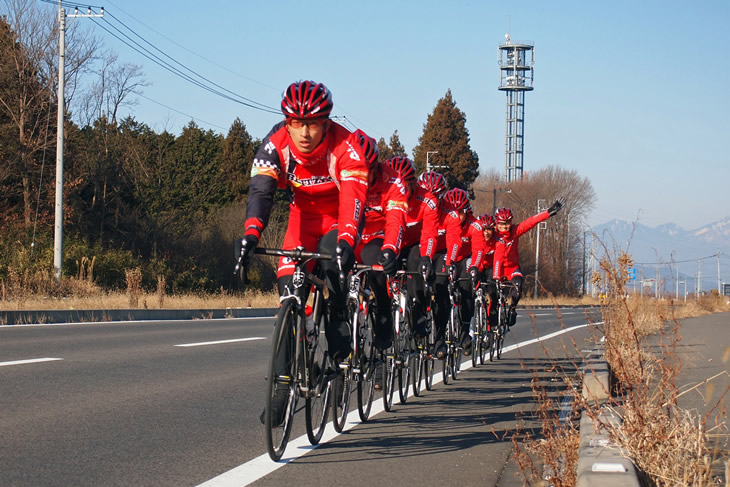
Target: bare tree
{"points": [[113, 89], [29, 60], [560, 242]]}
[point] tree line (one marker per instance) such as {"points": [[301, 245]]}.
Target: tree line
{"points": [[172, 205]]}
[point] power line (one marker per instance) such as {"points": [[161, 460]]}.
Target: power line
{"points": [[131, 43], [195, 53]]}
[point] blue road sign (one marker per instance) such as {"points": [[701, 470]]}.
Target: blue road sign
{"points": [[632, 274]]}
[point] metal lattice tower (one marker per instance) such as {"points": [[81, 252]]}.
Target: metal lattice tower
{"points": [[516, 65]]}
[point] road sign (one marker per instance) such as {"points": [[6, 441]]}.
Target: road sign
{"points": [[632, 274]]}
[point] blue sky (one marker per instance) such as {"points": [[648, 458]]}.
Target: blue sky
{"points": [[632, 95]]}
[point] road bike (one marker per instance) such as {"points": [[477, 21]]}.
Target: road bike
{"points": [[360, 367], [298, 367]]}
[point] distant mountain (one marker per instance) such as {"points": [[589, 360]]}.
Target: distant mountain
{"points": [[669, 248], [717, 233]]}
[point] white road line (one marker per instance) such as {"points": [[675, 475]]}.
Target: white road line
{"points": [[200, 344], [127, 322], [262, 465], [29, 361]]}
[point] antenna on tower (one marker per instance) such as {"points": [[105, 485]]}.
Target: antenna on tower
{"points": [[516, 65]]}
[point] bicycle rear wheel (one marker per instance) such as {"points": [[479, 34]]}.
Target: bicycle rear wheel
{"points": [[281, 391], [317, 405]]}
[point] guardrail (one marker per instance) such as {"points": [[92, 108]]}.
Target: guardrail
{"points": [[600, 462], [98, 315]]}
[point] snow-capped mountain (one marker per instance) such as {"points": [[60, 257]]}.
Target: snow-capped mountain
{"points": [[670, 250]]}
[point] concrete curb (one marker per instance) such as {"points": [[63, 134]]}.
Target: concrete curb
{"points": [[600, 462], [100, 315]]}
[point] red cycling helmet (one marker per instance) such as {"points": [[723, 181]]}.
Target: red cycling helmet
{"points": [[369, 147], [433, 182], [487, 221], [503, 215], [305, 100], [458, 199], [404, 167]]}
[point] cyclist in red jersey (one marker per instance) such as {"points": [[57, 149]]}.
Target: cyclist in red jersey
{"points": [[382, 234], [420, 240], [490, 241], [506, 252], [322, 166], [464, 251]]}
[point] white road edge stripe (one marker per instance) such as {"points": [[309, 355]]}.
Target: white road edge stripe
{"points": [[29, 361], [262, 465], [220, 342]]}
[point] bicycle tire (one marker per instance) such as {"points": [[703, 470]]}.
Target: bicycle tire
{"points": [[418, 369], [476, 351], [317, 404], [340, 399], [368, 372], [277, 431], [404, 362], [501, 330], [429, 366], [388, 384], [446, 370]]}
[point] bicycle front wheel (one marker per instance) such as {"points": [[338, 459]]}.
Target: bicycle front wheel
{"points": [[476, 352], [388, 380], [404, 366], [317, 405], [340, 399], [281, 391], [366, 382], [417, 364]]}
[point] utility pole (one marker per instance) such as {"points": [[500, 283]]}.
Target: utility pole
{"points": [[698, 287], [719, 291], [676, 296], [583, 280], [495, 190], [58, 227]]}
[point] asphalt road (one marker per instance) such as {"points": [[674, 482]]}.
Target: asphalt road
{"points": [[128, 404]]}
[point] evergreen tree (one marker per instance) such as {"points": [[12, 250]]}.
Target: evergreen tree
{"points": [[445, 131], [396, 147], [239, 149], [384, 150]]}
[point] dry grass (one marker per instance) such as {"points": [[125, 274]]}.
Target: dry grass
{"points": [[669, 446], [248, 299]]}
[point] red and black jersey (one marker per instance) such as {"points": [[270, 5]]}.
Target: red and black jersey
{"points": [[331, 180], [462, 240], [422, 221], [506, 253], [488, 257], [386, 207]]}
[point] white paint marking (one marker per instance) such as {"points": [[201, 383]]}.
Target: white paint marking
{"points": [[219, 342], [29, 361], [262, 465]]}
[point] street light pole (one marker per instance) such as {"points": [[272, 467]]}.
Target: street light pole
{"points": [[428, 153]]}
